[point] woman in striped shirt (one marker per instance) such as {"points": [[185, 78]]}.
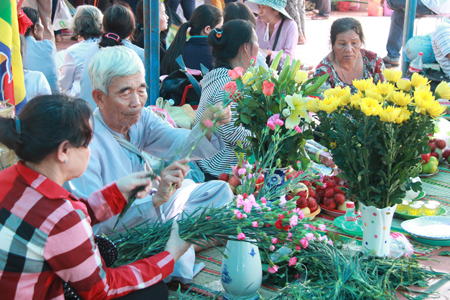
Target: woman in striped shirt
{"points": [[232, 46], [45, 231]]}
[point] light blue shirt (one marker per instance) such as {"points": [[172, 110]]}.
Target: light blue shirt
{"points": [[85, 82], [109, 161], [40, 56]]}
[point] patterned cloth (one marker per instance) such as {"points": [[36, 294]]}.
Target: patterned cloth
{"points": [[47, 238], [373, 67], [296, 8]]}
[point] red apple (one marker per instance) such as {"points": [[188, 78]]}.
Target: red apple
{"points": [[446, 154], [433, 146], [435, 154], [441, 144]]}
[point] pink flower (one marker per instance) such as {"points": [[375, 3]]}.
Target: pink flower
{"points": [[310, 236], [268, 88], [241, 236], [298, 248], [263, 200], [236, 73], [239, 215], [242, 171], [297, 129], [279, 122], [239, 201], [230, 87], [322, 237], [282, 200], [271, 125], [301, 215], [296, 210], [274, 240], [322, 227], [208, 123], [330, 242], [255, 224], [292, 261], [297, 276], [245, 216], [247, 206], [304, 243], [293, 221], [249, 176], [273, 269], [234, 170], [272, 247], [236, 211], [289, 235], [274, 118]]}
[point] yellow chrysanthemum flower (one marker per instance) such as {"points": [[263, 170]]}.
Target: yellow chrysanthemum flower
{"points": [[313, 105], [301, 76], [338, 92], [297, 106], [400, 98], [355, 100], [404, 115], [404, 84], [423, 100], [370, 106], [425, 88], [417, 79], [375, 94], [443, 91], [247, 76], [389, 114], [329, 104], [384, 88], [363, 84], [392, 75], [436, 109]]}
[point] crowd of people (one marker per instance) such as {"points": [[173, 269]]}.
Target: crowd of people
{"points": [[86, 140]]}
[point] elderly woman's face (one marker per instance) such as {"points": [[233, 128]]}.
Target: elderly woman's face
{"points": [[347, 45], [126, 98], [266, 13]]}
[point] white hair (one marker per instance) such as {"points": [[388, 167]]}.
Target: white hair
{"points": [[111, 63], [87, 19]]}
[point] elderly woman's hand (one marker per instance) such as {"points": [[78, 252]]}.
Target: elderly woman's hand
{"points": [[176, 245], [173, 175], [223, 114], [129, 183]]}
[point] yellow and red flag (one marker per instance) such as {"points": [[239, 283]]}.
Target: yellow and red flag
{"points": [[12, 85]]}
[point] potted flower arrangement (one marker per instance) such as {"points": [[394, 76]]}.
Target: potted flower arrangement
{"points": [[376, 137], [264, 99]]}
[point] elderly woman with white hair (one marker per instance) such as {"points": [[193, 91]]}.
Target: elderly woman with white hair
{"points": [[126, 132], [87, 27]]}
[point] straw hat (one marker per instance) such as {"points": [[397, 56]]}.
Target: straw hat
{"points": [[278, 5]]}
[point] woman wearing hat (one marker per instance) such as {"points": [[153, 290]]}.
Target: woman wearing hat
{"points": [[275, 29]]}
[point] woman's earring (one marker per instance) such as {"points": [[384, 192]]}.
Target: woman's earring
{"points": [[66, 161]]}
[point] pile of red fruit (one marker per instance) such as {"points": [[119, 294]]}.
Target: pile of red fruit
{"points": [[438, 149], [328, 192], [235, 182]]}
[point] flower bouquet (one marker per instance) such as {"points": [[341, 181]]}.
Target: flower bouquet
{"points": [[265, 99], [376, 137]]}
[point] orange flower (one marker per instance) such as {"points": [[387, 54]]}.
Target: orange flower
{"points": [[268, 88], [230, 87]]}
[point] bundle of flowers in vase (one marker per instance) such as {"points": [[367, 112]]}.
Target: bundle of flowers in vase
{"points": [[376, 137], [266, 99]]}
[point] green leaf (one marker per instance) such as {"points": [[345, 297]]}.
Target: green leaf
{"points": [[313, 88], [444, 253], [275, 61], [245, 119]]}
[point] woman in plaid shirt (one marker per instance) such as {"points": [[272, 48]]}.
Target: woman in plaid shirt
{"points": [[45, 232]]}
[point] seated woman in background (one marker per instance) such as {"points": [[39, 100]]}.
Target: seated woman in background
{"points": [[138, 36], [240, 11], [40, 54], [48, 230], [196, 51], [348, 61], [232, 46], [87, 26], [118, 27], [275, 30], [35, 82]]}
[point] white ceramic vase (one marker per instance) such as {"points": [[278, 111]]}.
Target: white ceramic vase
{"points": [[377, 229], [241, 272]]}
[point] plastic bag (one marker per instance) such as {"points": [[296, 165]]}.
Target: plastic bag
{"points": [[62, 18], [400, 246], [420, 43]]}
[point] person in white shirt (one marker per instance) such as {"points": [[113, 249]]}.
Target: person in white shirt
{"points": [[40, 54], [125, 132], [87, 26], [440, 41], [395, 38]]}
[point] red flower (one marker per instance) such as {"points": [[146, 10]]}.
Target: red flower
{"points": [[208, 218], [236, 73], [230, 87], [268, 88], [279, 224]]}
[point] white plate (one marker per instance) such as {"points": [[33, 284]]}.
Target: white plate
{"points": [[437, 228]]}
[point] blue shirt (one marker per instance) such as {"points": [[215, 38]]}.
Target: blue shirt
{"points": [[40, 56]]}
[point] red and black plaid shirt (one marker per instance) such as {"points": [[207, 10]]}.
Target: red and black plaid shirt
{"points": [[46, 238]]}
